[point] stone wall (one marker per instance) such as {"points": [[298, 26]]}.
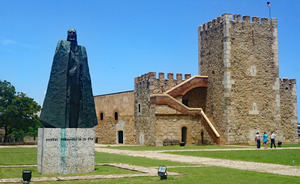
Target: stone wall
{"points": [[211, 54], [288, 110], [240, 58], [144, 112], [254, 99], [196, 98], [169, 127], [107, 129], [143, 126]]}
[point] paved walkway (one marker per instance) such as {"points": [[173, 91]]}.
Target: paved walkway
{"points": [[242, 165]]}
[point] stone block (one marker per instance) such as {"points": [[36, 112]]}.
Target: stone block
{"points": [[66, 150]]}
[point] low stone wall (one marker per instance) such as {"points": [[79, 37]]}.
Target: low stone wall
{"points": [[66, 150], [169, 129]]}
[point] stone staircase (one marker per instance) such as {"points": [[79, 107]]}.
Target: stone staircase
{"points": [[166, 99]]}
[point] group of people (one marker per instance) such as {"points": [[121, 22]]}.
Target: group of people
{"points": [[265, 139]]}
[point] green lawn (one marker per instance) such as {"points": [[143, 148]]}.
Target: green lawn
{"points": [[99, 170], [206, 175], [290, 145], [18, 156], [275, 156], [115, 158], [153, 148]]}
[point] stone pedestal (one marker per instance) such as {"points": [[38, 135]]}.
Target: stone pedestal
{"points": [[66, 150]]}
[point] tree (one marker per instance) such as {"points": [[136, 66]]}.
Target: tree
{"points": [[7, 93], [19, 113], [33, 131]]}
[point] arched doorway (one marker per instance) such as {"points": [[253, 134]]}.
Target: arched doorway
{"points": [[120, 137], [202, 137], [183, 134]]}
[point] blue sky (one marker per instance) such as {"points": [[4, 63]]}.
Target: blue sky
{"points": [[125, 38]]}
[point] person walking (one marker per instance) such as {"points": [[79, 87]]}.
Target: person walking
{"points": [[265, 137], [273, 139], [257, 139]]}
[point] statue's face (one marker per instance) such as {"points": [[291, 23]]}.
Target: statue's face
{"points": [[72, 35]]}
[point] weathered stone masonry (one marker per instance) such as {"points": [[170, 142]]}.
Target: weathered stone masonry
{"points": [[155, 124], [241, 60], [108, 128], [288, 109]]}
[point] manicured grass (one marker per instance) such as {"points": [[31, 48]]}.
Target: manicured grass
{"points": [[141, 161], [207, 175], [99, 170], [284, 157], [291, 145], [18, 156], [153, 148], [21, 156]]}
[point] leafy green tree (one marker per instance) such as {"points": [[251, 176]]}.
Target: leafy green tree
{"points": [[7, 93], [19, 113], [33, 131], [17, 134]]}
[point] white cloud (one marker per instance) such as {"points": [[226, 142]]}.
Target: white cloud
{"points": [[8, 42]]}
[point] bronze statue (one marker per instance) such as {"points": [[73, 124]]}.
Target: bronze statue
{"points": [[69, 101]]}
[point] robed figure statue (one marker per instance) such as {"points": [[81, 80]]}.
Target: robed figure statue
{"points": [[69, 101]]}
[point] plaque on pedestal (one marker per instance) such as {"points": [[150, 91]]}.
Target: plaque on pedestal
{"points": [[66, 150]]}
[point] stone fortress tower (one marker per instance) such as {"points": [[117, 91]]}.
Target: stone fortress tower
{"points": [[237, 93], [245, 94]]}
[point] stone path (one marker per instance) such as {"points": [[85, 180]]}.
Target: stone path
{"points": [[232, 147], [145, 171], [150, 170], [242, 165]]}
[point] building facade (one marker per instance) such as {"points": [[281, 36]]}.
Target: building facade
{"points": [[115, 115], [237, 93]]}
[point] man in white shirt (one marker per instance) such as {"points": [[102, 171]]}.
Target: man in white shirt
{"points": [[273, 140]]}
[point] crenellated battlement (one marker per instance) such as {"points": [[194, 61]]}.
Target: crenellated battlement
{"points": [[211, 24], [288, 81], [255, 20], [236, 18], [161, 83], [161, 76], [145, 77]]}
